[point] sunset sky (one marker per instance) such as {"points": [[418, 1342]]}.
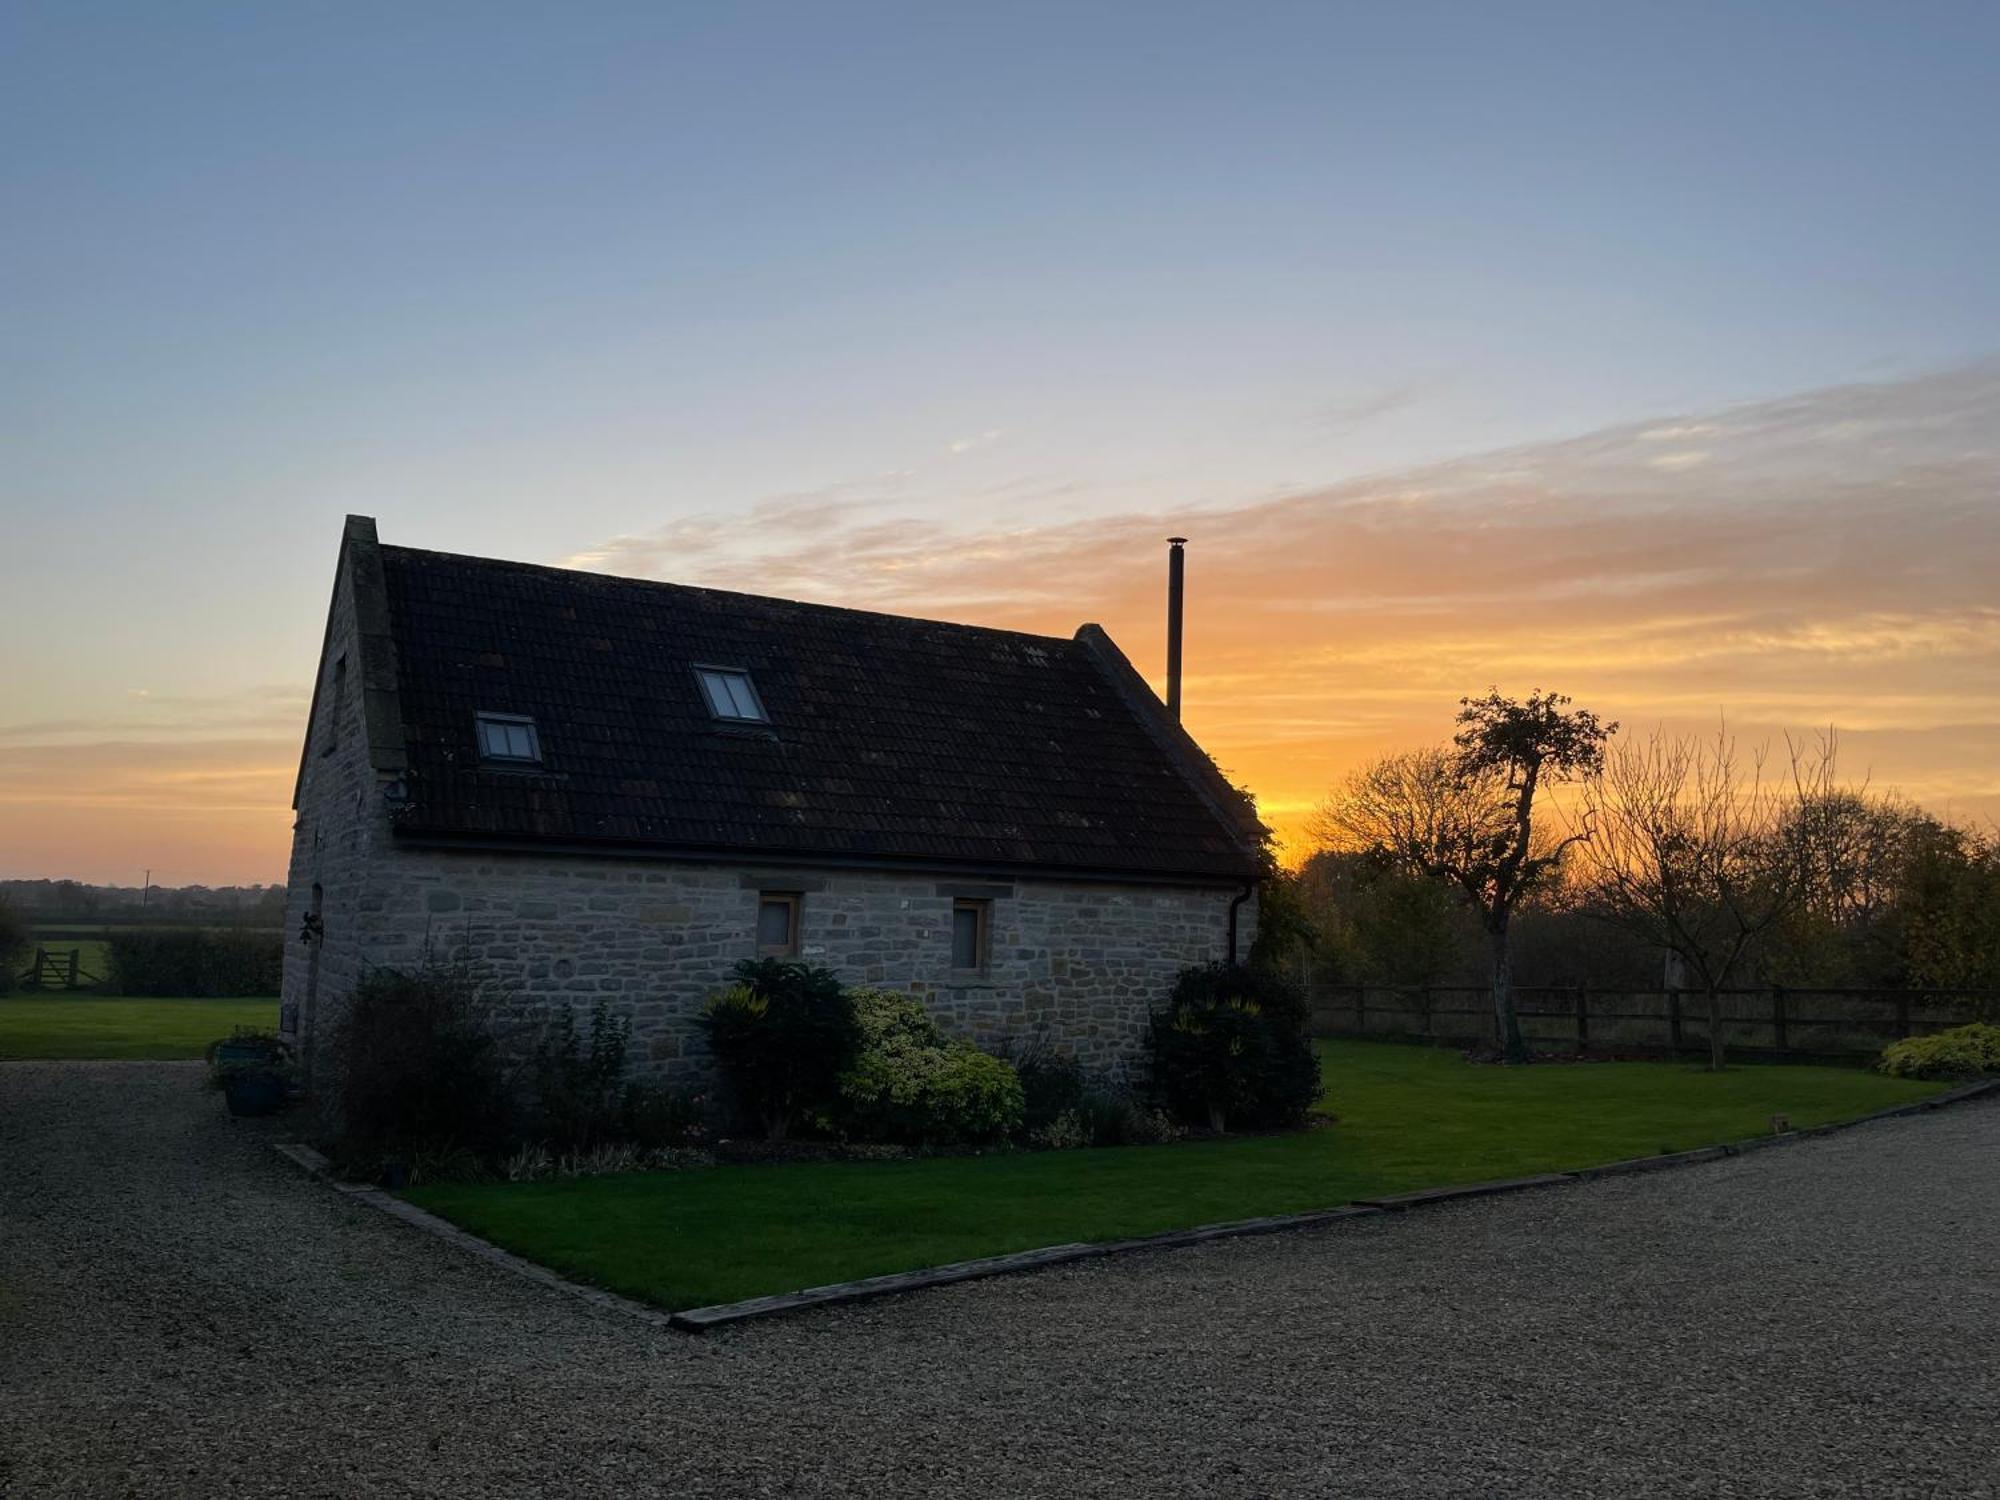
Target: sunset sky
{"points": [[1652, 356]]}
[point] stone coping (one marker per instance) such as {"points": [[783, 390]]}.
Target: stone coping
{"points": [[702, 1319]]}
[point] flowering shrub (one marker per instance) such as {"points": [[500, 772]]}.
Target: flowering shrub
{"points": [[1066, 1132], [1962, 1052], [909, 1082], [1231, 1049]]}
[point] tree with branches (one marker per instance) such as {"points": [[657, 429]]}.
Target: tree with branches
{"points": [[1702, 853], [1466, 815]]}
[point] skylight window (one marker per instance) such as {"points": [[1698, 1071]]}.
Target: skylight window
{"points": [[730, 695], [509, 740]]}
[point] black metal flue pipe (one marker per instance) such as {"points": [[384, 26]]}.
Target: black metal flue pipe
{"points": [[1176, 590]]}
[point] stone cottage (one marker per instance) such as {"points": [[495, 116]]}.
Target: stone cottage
{"points": [[607, 788]]}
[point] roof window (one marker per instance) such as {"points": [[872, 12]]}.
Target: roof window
{"points": [[509, 740], [731, 696]]}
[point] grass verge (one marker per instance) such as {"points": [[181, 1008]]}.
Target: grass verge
{"points": [[1409, 1117], [100, 1027]]}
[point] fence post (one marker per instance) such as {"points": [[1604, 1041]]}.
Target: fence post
{"points": [[1582, 1018], [1430, 1026], [1902, 1013], [1674, 1019], [1778, 1015], [1360, 1009], [72, 966]]}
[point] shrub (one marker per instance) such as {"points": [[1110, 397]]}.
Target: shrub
{"points": [[1066, 1132], [1275, 995], [1230, 1048], [13, 945], [1116, 1118], [782, 1036], [579, 1087], [1053, 1084], [656, 1118], [1962, 1052], [909, 1082], [195, 963], [419, 1073]]}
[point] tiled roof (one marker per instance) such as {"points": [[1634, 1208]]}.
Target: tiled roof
{"points": [[890, 738]]}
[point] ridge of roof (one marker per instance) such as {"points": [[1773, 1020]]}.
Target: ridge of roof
{"points": [[587, 576], [894, 738]]}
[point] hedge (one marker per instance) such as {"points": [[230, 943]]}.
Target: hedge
{"points": [[195, 963]]}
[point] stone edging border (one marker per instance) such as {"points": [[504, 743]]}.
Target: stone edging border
{"points": [[701, 1319]]}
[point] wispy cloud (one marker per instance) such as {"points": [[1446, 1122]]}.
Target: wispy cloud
{"points": [[1825, 557], [1352, 412], [147, 717], [1829, 561]]}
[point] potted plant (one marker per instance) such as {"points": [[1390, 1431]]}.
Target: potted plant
{"points": [[253, 1069]]}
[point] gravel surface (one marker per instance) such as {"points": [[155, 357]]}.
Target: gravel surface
{"points": [[182, 1311]]}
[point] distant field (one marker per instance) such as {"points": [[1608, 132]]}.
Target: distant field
{"points": [[44, 1027]]}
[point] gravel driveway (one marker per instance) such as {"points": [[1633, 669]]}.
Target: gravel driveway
{"points": [[182, 1311]]}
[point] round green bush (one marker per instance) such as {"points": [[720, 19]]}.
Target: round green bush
{"points": [[909, 1082], [1963, 1052], [1231, 1051]]}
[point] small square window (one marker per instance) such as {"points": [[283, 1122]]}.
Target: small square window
{"points": [[731, 695], [509, 739], [970, 924], [778, 924]]}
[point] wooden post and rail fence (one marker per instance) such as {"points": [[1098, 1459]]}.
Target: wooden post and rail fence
{"points": [[1771, 1019]]}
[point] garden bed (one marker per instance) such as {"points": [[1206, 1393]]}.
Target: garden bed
{"points": [[1409, 1118]]}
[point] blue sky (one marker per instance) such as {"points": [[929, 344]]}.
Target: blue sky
{"points": [[522, 280]]}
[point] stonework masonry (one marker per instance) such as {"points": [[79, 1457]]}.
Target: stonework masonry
{"points": [[1079, 964]]}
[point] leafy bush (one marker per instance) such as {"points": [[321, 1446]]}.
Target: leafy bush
{"points": [[1230, 1048], [13, 945], [910, 1082], [1276, 996], [656, 1118], [1065, 1107], [1065, 1132], [782, 1036], [1963, 1052], [584, 1101], [1053, 1084], [1105, 1118], [579, 1087], [1116, 1118], [419, 1071], [196, 963]]}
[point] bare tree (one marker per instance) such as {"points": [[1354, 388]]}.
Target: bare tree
{"points": [[1465, 815], [1702, 853]]}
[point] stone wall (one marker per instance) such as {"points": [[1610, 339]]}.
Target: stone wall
{"points": [[1082, 964], [336, 837]]}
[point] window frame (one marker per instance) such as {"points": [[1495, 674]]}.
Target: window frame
{"points": [[481, 718], [982, 934], [795, 903], [703, 670]]}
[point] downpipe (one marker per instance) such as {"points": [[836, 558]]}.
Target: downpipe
{"points": [[1235, 906]]}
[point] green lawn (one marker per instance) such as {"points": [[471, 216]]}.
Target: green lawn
{"points": [[1409, 1117], [119, 1026]]}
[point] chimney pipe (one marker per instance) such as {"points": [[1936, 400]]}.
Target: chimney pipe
{"points": [[1176, 589]]}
